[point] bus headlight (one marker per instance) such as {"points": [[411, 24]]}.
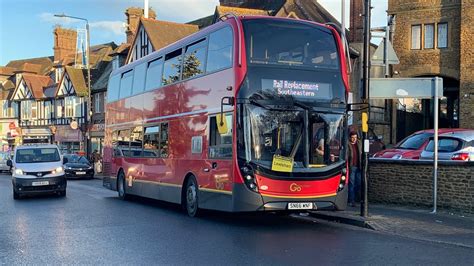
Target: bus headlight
{"points": [[249, 178]]}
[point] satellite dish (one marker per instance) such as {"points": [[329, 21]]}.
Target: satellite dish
{"points": [[74, 125]]}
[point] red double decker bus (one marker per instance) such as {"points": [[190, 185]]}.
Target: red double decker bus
{"points": [[248, 114]]}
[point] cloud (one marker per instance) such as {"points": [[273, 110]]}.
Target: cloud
{"points": [[115, 27]]}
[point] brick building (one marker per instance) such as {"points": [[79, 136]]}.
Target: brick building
{"points": [[436, 38]]}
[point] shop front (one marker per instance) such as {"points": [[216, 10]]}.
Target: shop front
{"points": [[69, 140], [35, 135], [97, 137]]}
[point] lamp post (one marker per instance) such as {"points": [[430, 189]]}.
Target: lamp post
{"points": [[89, 101]]}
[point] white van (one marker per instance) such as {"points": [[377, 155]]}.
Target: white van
{"points": [[37, 169]]}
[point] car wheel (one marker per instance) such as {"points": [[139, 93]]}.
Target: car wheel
{"points": [[16, 195], [191, 197], [122, 194]]}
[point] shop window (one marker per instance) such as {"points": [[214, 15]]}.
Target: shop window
{"points": [[220, 145]]}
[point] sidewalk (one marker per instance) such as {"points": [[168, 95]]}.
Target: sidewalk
{"points": [[416, 223]]}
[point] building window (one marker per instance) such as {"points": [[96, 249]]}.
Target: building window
{"points": [[73, 106], [429, 36], [416, 37], [442, 35], [97, 103]]}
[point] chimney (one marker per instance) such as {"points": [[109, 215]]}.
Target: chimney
{"points": [[133, 17], [64, 43], [356, 23]]}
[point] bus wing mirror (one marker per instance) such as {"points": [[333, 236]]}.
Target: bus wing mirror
{"points": [[221, 124], [221, 121]]}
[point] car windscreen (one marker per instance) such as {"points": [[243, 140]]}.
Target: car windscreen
{"points": [[76, 159], [414, 142], [37, 155], [445, 145]]}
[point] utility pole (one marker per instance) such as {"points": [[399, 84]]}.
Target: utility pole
{"points": [[364, 209]]}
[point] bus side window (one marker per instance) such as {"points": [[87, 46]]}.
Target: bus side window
{"points": [[123, 142], [172, 67], [220, 145], [155, 142], [126, 84], [113, 88], [153, 74], [139, 79], [164, 140], [136, 145], [219, 54], [194, 59]]}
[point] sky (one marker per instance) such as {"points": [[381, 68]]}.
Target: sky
{"points": [[26, 26]]}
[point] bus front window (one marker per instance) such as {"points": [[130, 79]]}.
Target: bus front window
{"points": [[283, 133]]}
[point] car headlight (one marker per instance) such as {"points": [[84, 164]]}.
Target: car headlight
{"points": [[18, 172], [67, 167], [58, 170]]}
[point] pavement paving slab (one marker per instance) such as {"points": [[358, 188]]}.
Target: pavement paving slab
{"points": [[442, 227]]}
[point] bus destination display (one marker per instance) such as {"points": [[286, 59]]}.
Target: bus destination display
{"points": [[301, 89]]}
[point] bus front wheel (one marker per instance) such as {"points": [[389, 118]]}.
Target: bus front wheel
{"points": [[122, 194], [191, 197]]}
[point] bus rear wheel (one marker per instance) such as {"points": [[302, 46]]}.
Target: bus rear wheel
{"points": [[191, 197], [122, 194]]}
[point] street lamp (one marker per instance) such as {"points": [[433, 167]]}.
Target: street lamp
{"points": [[89, 101]]}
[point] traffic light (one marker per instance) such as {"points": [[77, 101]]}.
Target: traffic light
{"points": [[365, 122]]}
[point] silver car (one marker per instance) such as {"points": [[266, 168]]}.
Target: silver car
{"points": [[4, 157], [457, 146]]}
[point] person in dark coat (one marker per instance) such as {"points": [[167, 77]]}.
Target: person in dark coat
{"points": [[355, 162]]}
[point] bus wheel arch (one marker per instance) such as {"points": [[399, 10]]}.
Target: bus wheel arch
{"points": [[190, 195]]}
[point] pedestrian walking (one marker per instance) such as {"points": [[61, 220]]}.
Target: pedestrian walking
{"points": [[355, 158], [97, 161]]}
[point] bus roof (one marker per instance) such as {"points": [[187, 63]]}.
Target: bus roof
{"points": [[193, 37]]}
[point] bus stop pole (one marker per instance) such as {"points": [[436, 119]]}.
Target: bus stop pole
{"points": [[435, 155], [366, 79]]}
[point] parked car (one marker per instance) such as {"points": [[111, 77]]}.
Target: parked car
{"points": [[4, 157], [37, 169], [457, 146], [412, 146], [78, 167]]}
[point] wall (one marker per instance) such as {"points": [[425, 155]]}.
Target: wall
{"points": [[411, 183]]}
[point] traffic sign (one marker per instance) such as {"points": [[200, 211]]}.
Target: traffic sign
{"points": [[396, 88], [378, 57]]}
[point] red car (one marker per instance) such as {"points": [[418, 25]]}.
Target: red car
{"points": [[412, 146]]}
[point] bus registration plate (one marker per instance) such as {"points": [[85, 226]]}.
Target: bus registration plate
{"points": [[300, 205]]}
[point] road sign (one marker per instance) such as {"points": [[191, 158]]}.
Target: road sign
{"points": [[396, 88], [378, 57]]}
